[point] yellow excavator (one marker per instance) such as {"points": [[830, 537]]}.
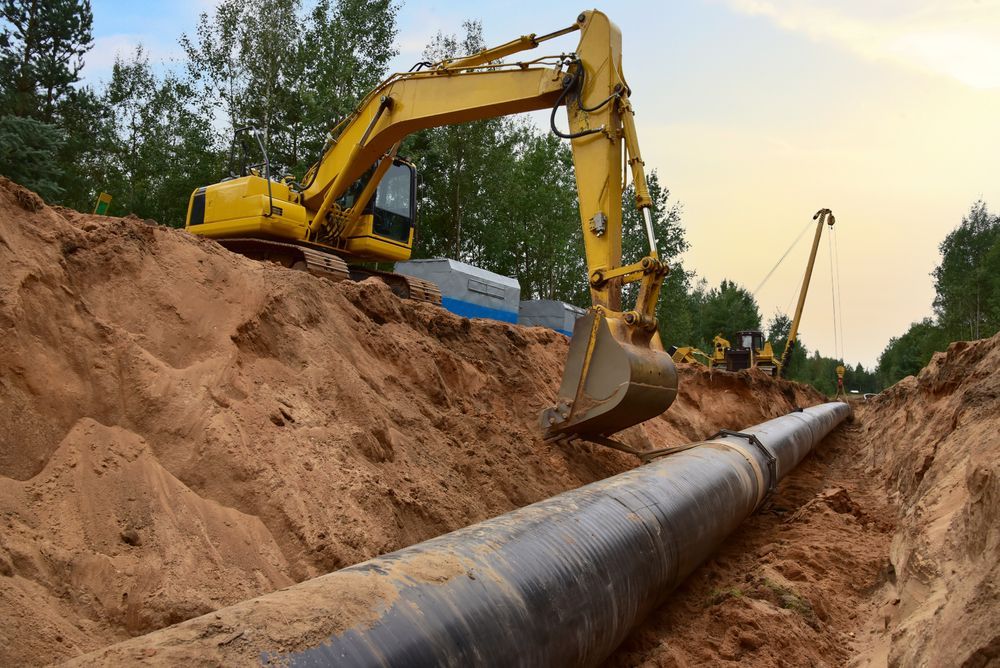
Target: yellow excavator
{"points": [[357, 204]]}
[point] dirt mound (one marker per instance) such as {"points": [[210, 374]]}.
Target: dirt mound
{"points": [[182, 428], [934, 438]]}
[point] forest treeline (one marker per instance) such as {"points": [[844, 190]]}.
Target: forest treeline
{"points": [[966, 297], [497, 193]]}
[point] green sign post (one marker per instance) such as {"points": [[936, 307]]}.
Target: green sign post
{"points": [[103, 202]]}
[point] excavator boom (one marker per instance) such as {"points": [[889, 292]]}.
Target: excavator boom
{"points": [[617, 373]]}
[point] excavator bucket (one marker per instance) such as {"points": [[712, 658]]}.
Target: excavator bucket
{"points": [[609, 384]]}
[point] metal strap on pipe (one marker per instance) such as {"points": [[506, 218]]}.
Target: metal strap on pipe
{"points": [[762, 475], [557, 583]]}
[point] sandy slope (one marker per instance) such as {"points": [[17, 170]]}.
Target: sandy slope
{"points": [[182, 428], [934, 441], [881, 549]]}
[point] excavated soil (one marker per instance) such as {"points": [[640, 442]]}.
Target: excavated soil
{"points": [[182, 429]]}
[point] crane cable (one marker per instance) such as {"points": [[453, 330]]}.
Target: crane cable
{"points": [[782, 258], [840, 308], [833, 299]]}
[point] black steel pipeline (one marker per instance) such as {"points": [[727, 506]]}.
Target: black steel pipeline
{"points": [[557, 583]]}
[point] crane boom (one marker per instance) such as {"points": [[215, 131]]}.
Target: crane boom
{"points": [[821, 216]]}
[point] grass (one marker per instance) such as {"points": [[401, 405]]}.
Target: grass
{"points": [[719, 595], [789, 600]]}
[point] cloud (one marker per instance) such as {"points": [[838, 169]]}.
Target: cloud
{"points": [[959, 39], [100, 60]]}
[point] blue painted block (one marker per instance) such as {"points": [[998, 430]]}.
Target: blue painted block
{"points": [[470, 310]]}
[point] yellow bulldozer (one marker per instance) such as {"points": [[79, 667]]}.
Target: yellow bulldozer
{"points": [[356, 205]]}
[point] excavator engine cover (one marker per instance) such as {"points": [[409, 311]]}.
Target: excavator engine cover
{"points": [[609, 384]]}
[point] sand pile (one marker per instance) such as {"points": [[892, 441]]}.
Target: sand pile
{"points": [[182, 428]]}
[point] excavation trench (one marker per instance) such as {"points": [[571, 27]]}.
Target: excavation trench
{"points": [[559, 582], [801, 582], [183, 429]]}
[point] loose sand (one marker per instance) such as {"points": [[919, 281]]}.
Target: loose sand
{"points": [[182, 429]]}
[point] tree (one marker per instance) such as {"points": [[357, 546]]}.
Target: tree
{"points": [[155, 147], [674, 309], [861, 379], [991, 289], [963, 281], [675, 312], [666, 216], [83, 119], [288, 71], [725, 310], [42, 44], [28, 149], [907, 354], [41, 53], [777, 333], [460, 165], [532, 223], [966, 301], [346, 49]]}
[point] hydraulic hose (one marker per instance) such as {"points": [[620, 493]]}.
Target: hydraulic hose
{"points": [[557, 583], [571, 83]]}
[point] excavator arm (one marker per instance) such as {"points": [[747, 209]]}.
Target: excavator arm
{"points": [[617, 373]]}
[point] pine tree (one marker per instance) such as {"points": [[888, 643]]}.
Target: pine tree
{"points": [[28, 150], [41, 53]]}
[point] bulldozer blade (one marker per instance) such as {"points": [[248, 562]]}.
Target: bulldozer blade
{"points": [[609, 384]]}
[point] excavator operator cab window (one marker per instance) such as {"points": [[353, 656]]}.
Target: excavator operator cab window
{"points": [[747, 341], [395, 202]]}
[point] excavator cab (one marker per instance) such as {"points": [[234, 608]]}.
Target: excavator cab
{"points": [[750, 340], [385, 228], [250, 207]]}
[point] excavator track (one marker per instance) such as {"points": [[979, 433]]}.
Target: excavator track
{"points": [[331, 266], [406, 287]]}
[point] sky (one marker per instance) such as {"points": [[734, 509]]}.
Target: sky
{"points": [[757, 113]]}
